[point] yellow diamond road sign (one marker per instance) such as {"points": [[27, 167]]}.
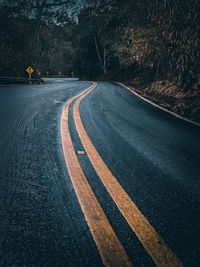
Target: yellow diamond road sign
{"points": [[30, 70]]}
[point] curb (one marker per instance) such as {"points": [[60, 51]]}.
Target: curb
{"points": [[157, 106]]}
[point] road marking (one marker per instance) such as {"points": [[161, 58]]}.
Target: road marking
{"points": [[151, 240], [160, 107], [108, 244], [81, 152]]}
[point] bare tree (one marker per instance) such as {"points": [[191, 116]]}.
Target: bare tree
{"points": [[40, 10]]}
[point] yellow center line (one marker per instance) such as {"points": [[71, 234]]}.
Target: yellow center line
{"points": [[108, 244], [151, 240]]}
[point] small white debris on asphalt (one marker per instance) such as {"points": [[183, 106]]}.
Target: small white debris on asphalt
{"points": [[81, 152]]}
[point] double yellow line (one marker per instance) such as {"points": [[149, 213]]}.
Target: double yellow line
{"points": [[108, 244]]}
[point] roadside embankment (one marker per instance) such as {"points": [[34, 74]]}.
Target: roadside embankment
{"points": [[171, 96]]}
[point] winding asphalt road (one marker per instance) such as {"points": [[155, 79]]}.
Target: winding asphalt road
{"points": [[154, 156]]}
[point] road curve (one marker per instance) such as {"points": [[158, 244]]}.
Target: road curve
{"points": [[153, 156]]}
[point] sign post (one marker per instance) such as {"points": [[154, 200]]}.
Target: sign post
{"points": [[30, 70]]}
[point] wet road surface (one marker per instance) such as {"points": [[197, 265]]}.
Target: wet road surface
{"points": [[154, 157]]}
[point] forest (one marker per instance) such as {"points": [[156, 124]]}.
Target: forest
{"points": [[136, 41]]}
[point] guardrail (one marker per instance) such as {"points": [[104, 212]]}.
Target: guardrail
{"points": [[12, 80]]}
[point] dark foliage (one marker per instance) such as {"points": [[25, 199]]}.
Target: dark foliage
{"points": [[110, 39]]}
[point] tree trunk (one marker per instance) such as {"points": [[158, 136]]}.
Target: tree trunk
{"points": [[104, 60], [103, 65]]}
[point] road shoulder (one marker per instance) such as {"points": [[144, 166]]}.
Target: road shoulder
{"points": [[133, 90]]}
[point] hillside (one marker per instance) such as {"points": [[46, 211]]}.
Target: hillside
{"points": [[151, 45]]}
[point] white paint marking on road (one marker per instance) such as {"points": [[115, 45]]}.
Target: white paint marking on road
{"points": [[158, 106]]}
